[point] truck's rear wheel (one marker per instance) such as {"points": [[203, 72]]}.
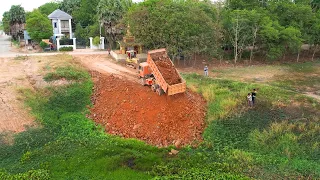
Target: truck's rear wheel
{"points": [[153, 88]]}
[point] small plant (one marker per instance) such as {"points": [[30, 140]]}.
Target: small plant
{"points": [[66, 48]]}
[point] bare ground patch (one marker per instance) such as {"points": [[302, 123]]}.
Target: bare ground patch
{"points": [[17, 74]]}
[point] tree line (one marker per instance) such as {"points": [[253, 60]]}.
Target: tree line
{"points": [[230, 29]]}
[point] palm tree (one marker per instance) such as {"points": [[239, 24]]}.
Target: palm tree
{"points": [[110, 12]]}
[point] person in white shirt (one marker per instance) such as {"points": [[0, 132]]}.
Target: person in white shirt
{"points": [[249, 99], [205, 71]]}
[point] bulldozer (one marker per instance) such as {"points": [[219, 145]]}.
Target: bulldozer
{"points": [[132, 61]]}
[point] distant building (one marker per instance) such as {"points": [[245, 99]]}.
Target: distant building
{"points": [[61, 23]]}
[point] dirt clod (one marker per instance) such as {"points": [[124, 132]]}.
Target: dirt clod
{"points": [[140, 113]]}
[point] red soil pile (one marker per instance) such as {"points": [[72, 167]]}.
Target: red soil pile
{"points": [[166, 68], [130, 110]]}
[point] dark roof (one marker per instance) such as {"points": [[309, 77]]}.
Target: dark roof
{"points": [[58, 14]]}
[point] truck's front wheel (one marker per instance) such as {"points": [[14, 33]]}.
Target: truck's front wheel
{"points": [[143, 81], [159, 91]]}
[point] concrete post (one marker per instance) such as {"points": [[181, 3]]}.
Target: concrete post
{"points": [[101, 42], [91, 45], [58, 44], [70, 29], [74, 43], [59, 26]]}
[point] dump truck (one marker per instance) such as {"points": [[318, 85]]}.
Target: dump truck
{"points": [[160, 74]]}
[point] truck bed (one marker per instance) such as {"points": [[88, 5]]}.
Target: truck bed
{"points": [[165, 73]]}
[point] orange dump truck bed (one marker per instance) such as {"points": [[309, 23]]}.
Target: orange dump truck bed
{"points": [[165, 73]]}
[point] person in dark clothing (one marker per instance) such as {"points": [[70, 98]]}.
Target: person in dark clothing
{"points": [[254, 94]]}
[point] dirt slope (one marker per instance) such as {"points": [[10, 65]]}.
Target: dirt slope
{"points": [[130, 110]]}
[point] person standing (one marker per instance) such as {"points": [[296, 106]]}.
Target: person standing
{"points": [[254, 94], [205, 70], [249, 100]]}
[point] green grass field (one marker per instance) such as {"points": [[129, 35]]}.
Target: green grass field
{"points": [[277, 139]]}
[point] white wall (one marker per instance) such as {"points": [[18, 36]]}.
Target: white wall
{"points": [[55, 30]]}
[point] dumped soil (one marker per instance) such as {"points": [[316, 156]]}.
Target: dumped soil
{"points": [[130, 110], [166, 68]]}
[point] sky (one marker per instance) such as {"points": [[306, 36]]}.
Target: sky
{"points": [[28, 5]]}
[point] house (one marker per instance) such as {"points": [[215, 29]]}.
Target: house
{"points": [[61, 23]]}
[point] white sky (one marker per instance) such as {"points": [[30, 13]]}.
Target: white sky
{"points": [[28, 5]]}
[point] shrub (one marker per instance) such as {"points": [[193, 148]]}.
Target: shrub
{"points": [[66, 48], [43, 45], [96, 41]]}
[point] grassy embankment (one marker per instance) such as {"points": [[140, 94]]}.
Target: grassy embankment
{"points": [[278, 138]]}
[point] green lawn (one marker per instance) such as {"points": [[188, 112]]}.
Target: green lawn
{"points": [[277, 139]]}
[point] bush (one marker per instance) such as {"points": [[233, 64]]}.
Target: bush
{"points": [[66, 48], [43, 45], [96, 41]]}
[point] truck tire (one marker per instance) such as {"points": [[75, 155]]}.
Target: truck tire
{"points": [[160, 91], [153, 88], [143, 81]]}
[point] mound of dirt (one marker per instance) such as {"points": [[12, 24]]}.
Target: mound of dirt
{"points": [[130, 110], [166, 68]]}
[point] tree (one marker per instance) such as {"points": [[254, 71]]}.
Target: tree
{"points": [[291, 38], [48, 8], [87, 12], [237, 25], [110, 12], [17, 14], [17, 19], [270, 38], [70, 6], [6, 22], [314, 35], [181, 27], [38, 26]]}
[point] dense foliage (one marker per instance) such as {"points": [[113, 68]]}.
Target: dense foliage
{"points": [[270, 29], [177, 25], [48, 8], [267, 30], [38, 26]]}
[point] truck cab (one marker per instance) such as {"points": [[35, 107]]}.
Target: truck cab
{"points": [[144, 70]]}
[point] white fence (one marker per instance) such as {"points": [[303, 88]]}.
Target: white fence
{"points": [[100, 46], [74, 46]]}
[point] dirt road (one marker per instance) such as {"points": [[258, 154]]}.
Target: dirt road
{"points": [[14, 75], [5, 45], [106, 65]]}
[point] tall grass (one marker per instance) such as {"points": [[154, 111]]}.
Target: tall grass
{"points": [[266, 136]]}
